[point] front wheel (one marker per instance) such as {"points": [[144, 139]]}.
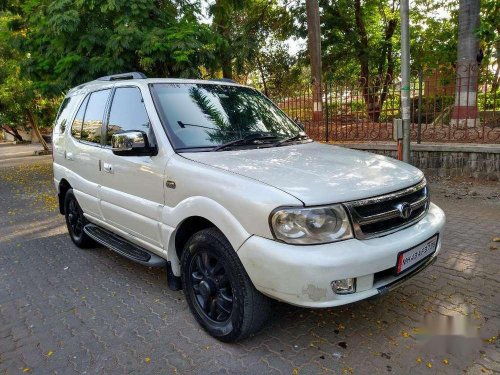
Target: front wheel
{"points": [[75, 221], [218, 290]]}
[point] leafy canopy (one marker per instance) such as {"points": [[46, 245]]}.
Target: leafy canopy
{"points": [[76, 41]]}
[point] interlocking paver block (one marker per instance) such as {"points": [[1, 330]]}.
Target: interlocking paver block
{"points": [[101, 314]]}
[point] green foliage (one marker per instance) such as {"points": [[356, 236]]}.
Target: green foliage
{"points": [[488, 101], [48, 46], [342, 40], [351, 107], [276, 72], [432, 107], [433, 34], [10, 85], [489, 30], [73, 42], [17, 93], [244, 29]]}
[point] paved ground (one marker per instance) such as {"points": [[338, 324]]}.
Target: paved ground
{"points": [[65, 311]]}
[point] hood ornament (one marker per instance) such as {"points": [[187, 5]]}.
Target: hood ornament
{"points": [[404, 209]]}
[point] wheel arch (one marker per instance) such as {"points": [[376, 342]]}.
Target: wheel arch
{"points": [[187, 228], [193, 215]]}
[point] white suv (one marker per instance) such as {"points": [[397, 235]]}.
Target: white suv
{"points": [[213, 182]]}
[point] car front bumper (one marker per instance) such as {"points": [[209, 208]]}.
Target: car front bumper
{"points": [[302, 275]]}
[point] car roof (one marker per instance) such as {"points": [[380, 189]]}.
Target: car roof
{"points": [[100, 84]]}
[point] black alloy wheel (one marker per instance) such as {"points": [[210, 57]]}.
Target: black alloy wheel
{"points": [[211, 287], [218, 290], [75, 221]]}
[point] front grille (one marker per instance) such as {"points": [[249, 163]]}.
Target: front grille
{"points": [[382, 215]]}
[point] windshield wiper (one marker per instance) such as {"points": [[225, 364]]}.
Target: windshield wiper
{"points": [[296, 137], [183, 125], [249, 139]]}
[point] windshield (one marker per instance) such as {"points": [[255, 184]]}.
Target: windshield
{"points": [[210, 115]]}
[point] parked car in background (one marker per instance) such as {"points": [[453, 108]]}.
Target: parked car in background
{"points": [[213, 182]]}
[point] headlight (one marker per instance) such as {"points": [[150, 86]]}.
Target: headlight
{"points": [[307, 226]]}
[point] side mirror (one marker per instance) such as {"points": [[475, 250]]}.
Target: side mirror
{"points": [[131, 143]]}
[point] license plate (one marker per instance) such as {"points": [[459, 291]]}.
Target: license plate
{"points": [[409, 258]]}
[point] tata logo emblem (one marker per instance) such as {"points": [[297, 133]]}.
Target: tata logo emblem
{"points": [[404, 210]]}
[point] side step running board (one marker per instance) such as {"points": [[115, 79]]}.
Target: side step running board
{"points": [[124, 247]]}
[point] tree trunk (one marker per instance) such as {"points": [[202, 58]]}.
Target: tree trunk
{"points": [[13, 132], [263, 77], [222, 17], [389, 32], [372, 106], [227, 67], [465, 109], [314, 45], [31, 120]]}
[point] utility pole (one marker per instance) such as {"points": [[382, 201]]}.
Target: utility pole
{"points": [[405, 77], [314, 44]]}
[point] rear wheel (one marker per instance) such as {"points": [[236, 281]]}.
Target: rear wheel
{"points": [[75, 221], [218, 290]]}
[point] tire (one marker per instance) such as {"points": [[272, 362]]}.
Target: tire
{"points": [[218, 290], [75, 221]]}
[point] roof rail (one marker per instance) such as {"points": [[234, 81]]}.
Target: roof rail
{"points": [[118, 77], [223, 80]]}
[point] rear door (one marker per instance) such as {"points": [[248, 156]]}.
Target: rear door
{"points": [[132, 186], [84, 150], [63, 120]]}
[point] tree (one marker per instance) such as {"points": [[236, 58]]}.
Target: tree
{"points": [[375, 90], [489, 33], [433, 33], [224, 15], [243, 28], [8, 67], [276, 72], [49, 46], [21, 105], [73, 42], [465, 109], [363, 33]]}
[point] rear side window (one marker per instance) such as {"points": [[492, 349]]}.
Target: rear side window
{"points": [[127, 112], [65, 110], [76, 126], [94, 114]]}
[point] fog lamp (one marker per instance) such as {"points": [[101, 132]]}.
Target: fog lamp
{"points": [[344, 286]]}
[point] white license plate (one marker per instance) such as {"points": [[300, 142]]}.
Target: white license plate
{"points": [[409, 258]]}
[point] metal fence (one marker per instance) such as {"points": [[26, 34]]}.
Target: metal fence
{"points": [[448, 104]]}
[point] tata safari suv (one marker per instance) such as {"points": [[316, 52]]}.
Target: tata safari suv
{"points": [[214, 183]]}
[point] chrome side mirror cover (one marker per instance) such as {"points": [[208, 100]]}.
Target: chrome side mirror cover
{"points": [[131, 143]]}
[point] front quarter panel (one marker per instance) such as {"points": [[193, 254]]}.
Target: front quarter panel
{"points": [[238, 205]]}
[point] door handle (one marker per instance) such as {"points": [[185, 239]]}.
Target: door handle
{"points": [[69, 156], [107, 167]]}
